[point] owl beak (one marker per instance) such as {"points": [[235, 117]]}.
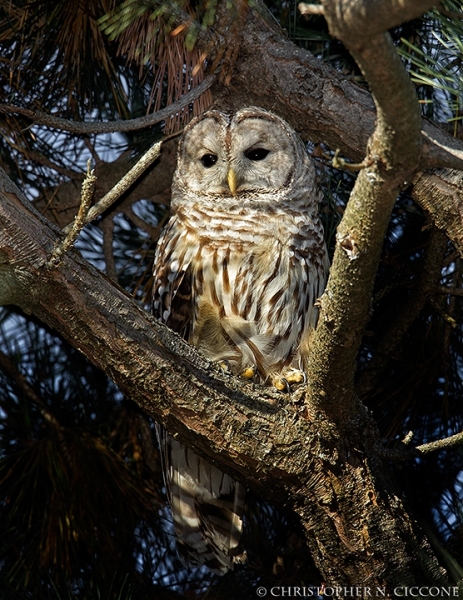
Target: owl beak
{"points": [[232, 180]]}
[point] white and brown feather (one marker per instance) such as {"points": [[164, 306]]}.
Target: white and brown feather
{"points": [[238, 275]]}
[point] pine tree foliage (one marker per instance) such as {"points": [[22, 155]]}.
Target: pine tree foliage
{"points": [[435, 55], [82, 505], [161, 36], [73, 452]]}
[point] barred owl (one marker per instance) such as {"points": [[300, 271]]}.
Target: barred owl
{"points": [[238, 270]]}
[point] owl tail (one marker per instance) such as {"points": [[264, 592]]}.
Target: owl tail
{"points": [[207, 507]]}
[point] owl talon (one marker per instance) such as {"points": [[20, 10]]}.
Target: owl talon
{"points": [[296, 377], [281, 384], [224, 365], [249, 372], [293, 377]]}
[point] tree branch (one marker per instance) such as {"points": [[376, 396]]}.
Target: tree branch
{"points": [[88, 187], [452, 291], [310, 9], [84, 128], [121, 186], [444, 443], [393, 155], [428, 279], [405, 452], [60, 205], [438, 153], [357, 528], [350, 21]]}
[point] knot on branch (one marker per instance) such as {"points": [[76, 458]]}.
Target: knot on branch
{"points": [[349, 244]]}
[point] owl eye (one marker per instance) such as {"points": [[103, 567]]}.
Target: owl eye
{"points": [[209, 160], [256, 153]]}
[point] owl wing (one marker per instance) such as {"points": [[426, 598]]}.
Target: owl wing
{"points": [[171, 300], [207, 504]]}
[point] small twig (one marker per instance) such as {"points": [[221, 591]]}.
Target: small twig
{"points": [[447, 318], [408, 438], [113, 126], [453, 291], [405, 452], [310, 9], [123, 185], [340, 163], [87, 214], [72, 233], [448, 442]]}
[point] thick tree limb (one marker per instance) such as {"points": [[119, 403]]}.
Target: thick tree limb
{"points": [[394, 152], [356, 23], [440, 193], [110, 329]]}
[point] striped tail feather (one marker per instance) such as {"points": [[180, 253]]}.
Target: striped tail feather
{"points": [[207, 507]]}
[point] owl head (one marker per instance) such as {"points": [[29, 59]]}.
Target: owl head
{"points": [[239, 155]]}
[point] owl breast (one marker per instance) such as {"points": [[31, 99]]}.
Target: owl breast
{"points": [[254, 282]]}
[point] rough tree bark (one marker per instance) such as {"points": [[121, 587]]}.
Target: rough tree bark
{"points": [[319, 453]]}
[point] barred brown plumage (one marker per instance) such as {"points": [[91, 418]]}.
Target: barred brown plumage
{"points": [[238, 270]]}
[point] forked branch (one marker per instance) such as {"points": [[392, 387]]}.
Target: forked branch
{"points": [[393, 155], [405, 452]]}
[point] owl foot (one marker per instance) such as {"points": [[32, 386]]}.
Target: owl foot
{"points": [[291, 377], [249, 372]]}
